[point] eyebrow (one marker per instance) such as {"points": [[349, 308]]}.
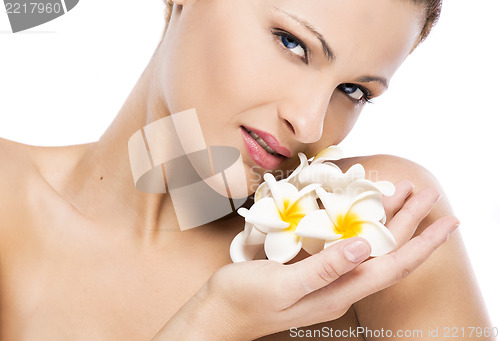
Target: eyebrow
{"points": [[327, 50], [368, 79]]}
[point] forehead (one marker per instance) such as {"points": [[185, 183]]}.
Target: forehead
{"points": [[375, 34]]}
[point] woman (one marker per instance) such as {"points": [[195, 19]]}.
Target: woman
{"points": [[87, 256]]}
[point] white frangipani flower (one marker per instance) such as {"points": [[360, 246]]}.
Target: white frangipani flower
{"points": [[286, 217], [272, 221], [332, 179], [348, 215], [331, 153]]}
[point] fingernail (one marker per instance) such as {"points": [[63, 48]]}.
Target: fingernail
{"points": [[453, 230], [356, 252]]}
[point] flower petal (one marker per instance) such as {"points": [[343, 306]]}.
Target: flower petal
{"points": [[306, 204], [380, 238], [242, 211], [282, 246], [386, 187], [329, 153], [240, 252], [368, 206], [316, 224], [319, 174], [313, 245], [303, 163], [334, 204], [252, 235], [262, 191], [265, 214], [355, 172], [247, 229], [273, 186], [331, 164], [286, 190], [332, 179], [359, 186], [281, 191], [304, 195]]}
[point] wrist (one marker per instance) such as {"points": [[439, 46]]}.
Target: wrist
{"points": [[214, 317], [203, 317]]}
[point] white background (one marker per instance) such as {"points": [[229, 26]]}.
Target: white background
{"points": [[63, 82]]}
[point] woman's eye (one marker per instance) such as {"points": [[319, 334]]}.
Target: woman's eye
{"points": [[293, 44], [355, 92]]}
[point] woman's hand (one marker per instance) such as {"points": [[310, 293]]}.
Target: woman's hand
{"points": [[251, 299]]}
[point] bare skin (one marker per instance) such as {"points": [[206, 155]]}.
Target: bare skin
{"points": [[84, 255], [72, 277]]}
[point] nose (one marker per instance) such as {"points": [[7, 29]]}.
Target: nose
{"points": [[303, 112]]}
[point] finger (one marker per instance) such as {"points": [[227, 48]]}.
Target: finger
{"points": [[405, 222], [325, 267], [389, 269], [375, 274], [394, 203]]}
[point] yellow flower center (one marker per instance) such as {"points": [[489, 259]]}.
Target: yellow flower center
{"points": [[348, 225], [292, 215]]}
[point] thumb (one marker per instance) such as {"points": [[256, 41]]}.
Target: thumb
{"points": [[325, 267]]}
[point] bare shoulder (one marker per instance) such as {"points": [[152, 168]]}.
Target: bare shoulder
{"points": [[442, 292], [23, 159], [17, 174], [15, 168], [392, 168], [26, 174], [11, 151]]}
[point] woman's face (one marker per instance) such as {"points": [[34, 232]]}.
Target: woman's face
{"points": [[295, 73]]}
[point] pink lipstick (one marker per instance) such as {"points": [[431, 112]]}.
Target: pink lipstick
{"points": [[264, 148]]}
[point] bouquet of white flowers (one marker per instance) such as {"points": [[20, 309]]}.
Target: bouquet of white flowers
{"points": [[316, 206]]}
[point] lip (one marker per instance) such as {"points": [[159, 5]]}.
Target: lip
{"points": [[271, 141], [259, 154]]}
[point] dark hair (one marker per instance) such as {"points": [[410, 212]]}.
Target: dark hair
{"points": [[432, 10]]}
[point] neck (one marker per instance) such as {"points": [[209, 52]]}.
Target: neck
{"points": [[101, 186]]}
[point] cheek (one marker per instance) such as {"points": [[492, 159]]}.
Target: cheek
{"points": [[246, 70], [233, 76], [221, 70]]}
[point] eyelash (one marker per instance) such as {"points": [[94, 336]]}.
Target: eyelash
{"points": [[280, 34], [367, 94], [368, 97]]}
